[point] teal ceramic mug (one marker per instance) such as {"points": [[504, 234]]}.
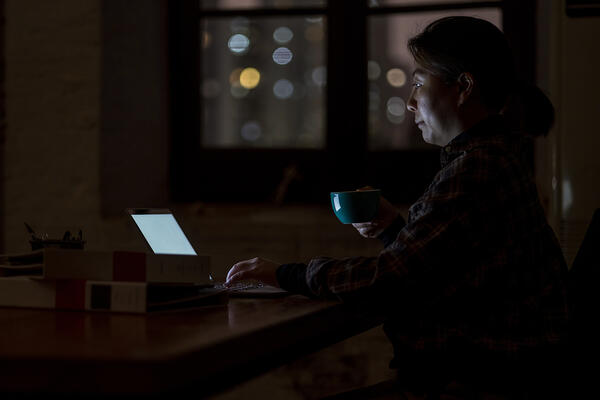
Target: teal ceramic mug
{"points": [[355, 206]]}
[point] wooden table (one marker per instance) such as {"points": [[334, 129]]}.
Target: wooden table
{"points": [[204, 350]]}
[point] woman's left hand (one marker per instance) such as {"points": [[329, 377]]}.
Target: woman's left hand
{"points": [[386, 214], [257, 268]]}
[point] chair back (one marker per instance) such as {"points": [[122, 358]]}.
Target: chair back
{"points": [[584, 280], [584, 296]]}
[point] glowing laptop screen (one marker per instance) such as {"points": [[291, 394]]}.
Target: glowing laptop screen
{"points": [[163, 234]]}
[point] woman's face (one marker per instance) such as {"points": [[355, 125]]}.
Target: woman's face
{"points": [[435, 104]]}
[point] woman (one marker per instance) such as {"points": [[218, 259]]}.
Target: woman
{"points": [[473, 283]]}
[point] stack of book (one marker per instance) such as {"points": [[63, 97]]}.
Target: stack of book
{"points": [[117, 281]]}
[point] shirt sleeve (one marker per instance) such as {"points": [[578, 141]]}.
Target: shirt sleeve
{"points": [[388, 236], [292, 277], [442, 225]]}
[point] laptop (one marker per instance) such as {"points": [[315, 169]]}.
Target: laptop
{"points": [[164, 235]]}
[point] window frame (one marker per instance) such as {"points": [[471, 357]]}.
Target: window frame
{"points": [[308, 175]]}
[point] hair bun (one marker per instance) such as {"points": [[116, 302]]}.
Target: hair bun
{"points": [[530, 109]]}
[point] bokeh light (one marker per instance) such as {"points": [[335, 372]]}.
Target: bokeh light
{"points": [[373, 70], [282, 55], [283, 34], [206, 39], [314, 20], [319, 76], [238, 91], [238, 43], [249, 78], [240, 25], [314, 33], [251, 131], [283, 89], [396, 77], [234, 77], [396, 110], [396, 106]]}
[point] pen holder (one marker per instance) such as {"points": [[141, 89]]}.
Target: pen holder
{"points": [[37, 244], [68, 241]]}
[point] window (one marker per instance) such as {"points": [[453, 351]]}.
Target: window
{"points": [[263, 82], [288, 100]]}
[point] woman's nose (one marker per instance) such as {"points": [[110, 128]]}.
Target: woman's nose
{"points": [[411, 104]]}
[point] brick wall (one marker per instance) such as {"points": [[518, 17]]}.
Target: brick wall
{"points": [[52, 54]]}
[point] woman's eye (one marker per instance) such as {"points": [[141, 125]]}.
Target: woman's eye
{"points": [[417, 84]]}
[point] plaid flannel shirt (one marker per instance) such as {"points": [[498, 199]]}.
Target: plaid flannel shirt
{"points": [[476, 264]]}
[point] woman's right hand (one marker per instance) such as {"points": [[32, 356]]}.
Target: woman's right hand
{"points": [[386, 214]]}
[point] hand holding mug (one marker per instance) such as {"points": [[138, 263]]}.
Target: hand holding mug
{"points": [[386, 214]]}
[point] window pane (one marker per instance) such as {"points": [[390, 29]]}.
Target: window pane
{"points": [[249, 4], [387, 3], [263, 82], [390, 66]]}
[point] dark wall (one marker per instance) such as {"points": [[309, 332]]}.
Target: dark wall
{"points": [[134, 105], [2, 124]]}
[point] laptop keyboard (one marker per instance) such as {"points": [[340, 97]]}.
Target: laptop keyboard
{"points": [[244, 285]]}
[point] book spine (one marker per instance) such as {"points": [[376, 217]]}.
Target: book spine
{"points": [[74, 294], [78, 264], [125, 266], [116, 296]]}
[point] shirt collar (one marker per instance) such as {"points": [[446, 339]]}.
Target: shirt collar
{"points": [[488, 127]]}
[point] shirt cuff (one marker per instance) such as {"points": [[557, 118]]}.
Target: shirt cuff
{"points": [[389, 235], [292, 277]]}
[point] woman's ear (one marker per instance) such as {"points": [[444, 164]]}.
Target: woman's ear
{"points": [[466, 85]]}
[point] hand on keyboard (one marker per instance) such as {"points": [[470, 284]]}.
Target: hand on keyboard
{"points": [[255, 269]]}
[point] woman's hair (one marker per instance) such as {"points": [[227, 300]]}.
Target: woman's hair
{"points": [[454, 45]]}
